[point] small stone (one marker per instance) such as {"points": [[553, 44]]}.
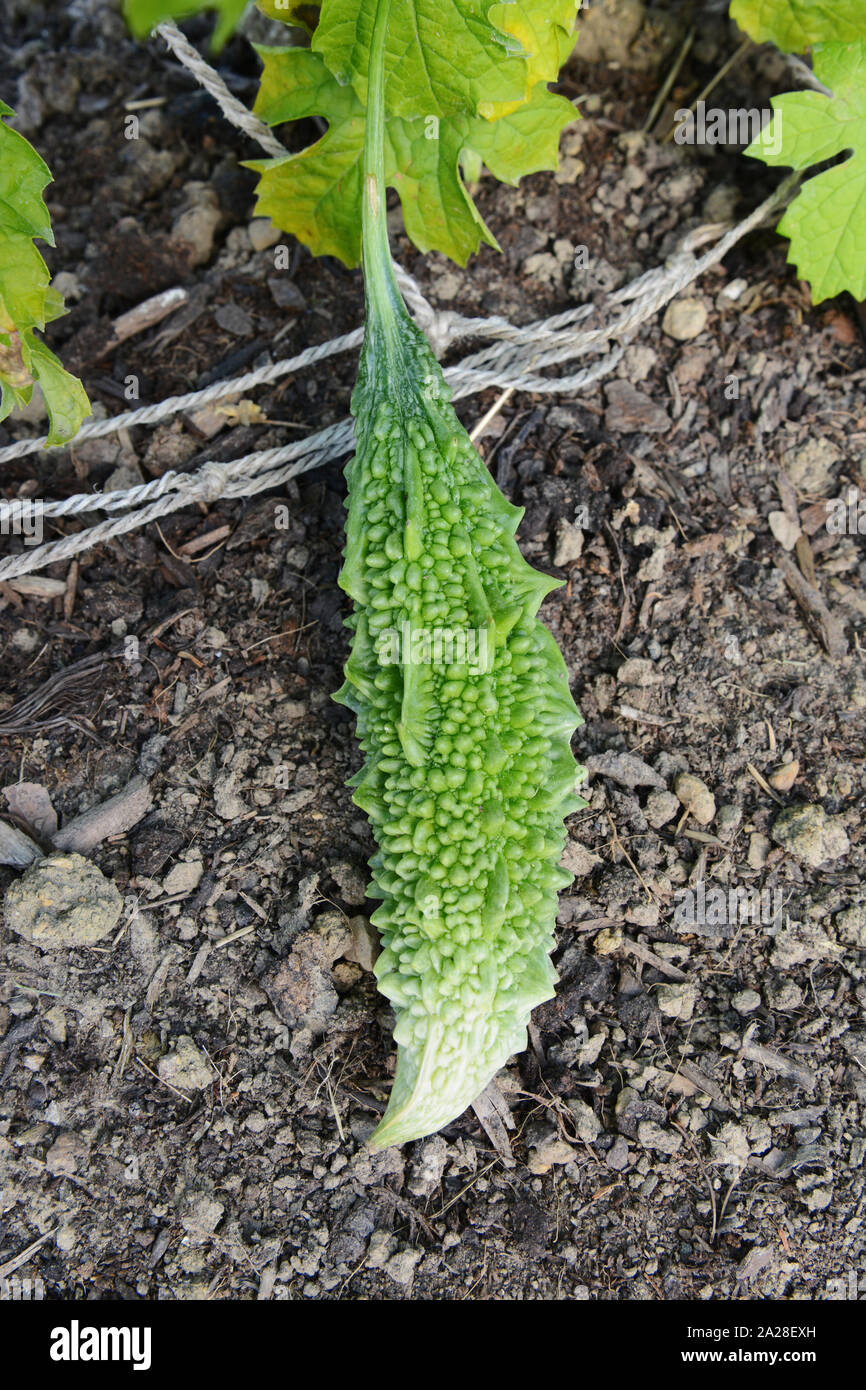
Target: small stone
{"points": [[286, 294], [617, 1156], [184, 877], [783, 779], [851, 926], [569, 543], [351, 882], [677, 1001], [783, 995], [231, 318], [55, 1024], [427, 1166], [786, 531], [696, 796], [548, 1152], [63, 900], [365, 947], [262, 233], [380, 1248], [65, 1154], [586, 1122], [759, 849], [578, 860], [227, 804], [185, 1068], [817, 1196], [684, 319], [652, 1136], [196, 227], [638, 671], [731, 1145], [401, 1267], [202, 1215], [807, 832], [728, 821], [810, 466], [660, 808], [638, 362], [624, 768], [643, 914], [630, 411], [746, 1001], [608, 940]]}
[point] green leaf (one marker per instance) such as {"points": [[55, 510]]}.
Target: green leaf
{"points": [[546, 33], [27, 300], [144, 15], [65, 398], [794, 25], [295, 12], [316, 194], [443, 57], [826, 222]]}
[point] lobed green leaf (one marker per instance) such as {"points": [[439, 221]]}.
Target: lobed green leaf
{"points": [[826, 222]]}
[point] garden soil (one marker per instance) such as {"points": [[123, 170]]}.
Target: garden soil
{"points": [[185, 1101]]}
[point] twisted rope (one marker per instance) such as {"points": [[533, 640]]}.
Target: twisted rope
{"points": [[512, 359]]}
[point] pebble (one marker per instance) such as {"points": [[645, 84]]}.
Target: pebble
{"points": [[696, 796], [233, 319], [759, 849], [660, 808], [65, 1154], [569, 543], [365, 943], [608, 941], [746, 1001], [851, 926], [731, 1145], [807, 832], [617, 1156], [630, 411], [286, 294], [263, 233], [685, 319], [579, 860], [783, 779], [184, 877], [549, 1151], [63, 900], [196, 226], [784, 995], [810, 466], [185, 1067], [586, 1122], [652, 1136], [728, 821], [785, 529], [638, 671], [677, 1001], [638, 362]]}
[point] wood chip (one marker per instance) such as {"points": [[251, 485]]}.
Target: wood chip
{"points": [[637, 948], [37, 586], [149, 312], [792, 1071], [814, 607], [495, 1118], [115, 816]]}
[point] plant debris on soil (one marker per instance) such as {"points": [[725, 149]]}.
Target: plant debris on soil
{"points": [[190, 1074]]}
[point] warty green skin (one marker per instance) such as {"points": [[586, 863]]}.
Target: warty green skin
{"points": [[468, 772]]}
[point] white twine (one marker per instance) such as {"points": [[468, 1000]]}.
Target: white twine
{"points": [[513, 358]]}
